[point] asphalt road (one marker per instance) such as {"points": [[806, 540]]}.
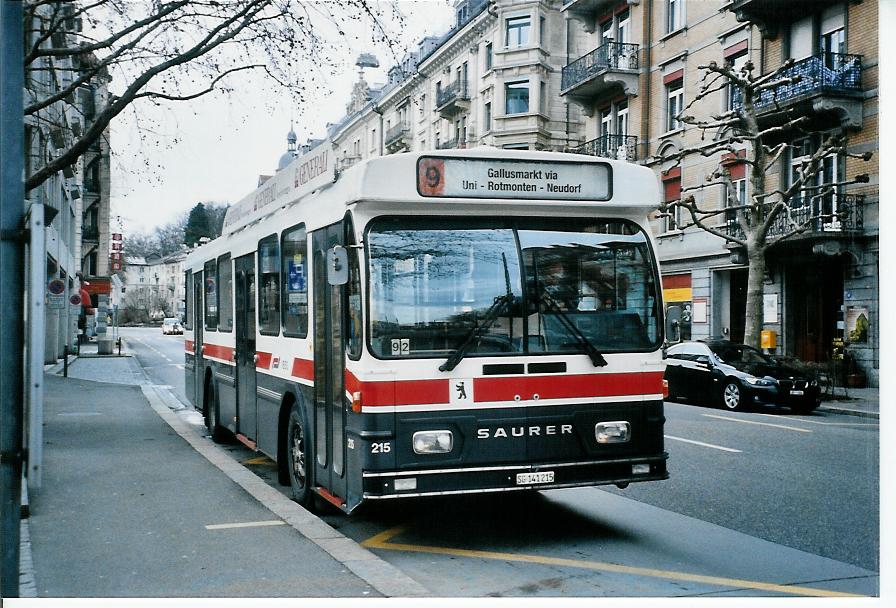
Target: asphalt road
{"points": [[760, 498]]}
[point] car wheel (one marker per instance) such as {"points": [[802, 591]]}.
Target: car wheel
{"points": [[732, 396], [297, 459]]}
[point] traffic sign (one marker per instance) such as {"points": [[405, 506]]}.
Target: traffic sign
{"points": [[56, 287], [75, 300]]}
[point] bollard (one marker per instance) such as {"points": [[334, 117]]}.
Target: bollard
{"points": [[119, 346], [65, 361]]}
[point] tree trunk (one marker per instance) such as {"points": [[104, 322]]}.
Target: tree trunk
{"points": [[755, 277]]}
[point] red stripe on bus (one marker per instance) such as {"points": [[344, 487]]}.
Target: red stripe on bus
{"points": [[303, 368], [264, 360], [218, 352], [567, 387], [403, 392]]}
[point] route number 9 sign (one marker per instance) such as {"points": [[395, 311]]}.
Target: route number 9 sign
{"points": [[431, 177]]}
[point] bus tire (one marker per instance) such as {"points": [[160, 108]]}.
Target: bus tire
{"points": [[298, 446], [212, 415]]}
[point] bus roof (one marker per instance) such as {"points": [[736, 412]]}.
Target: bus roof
{"points": [[503, 177]]}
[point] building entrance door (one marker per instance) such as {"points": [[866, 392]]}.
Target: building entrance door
{"points": [[816, 297]]}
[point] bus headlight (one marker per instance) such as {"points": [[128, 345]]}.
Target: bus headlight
{"points": [[433, 442], [612, 432]]}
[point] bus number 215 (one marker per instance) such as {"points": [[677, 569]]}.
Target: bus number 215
{"points": [[380, 448]]}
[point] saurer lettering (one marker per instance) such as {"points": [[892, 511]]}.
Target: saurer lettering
{"points": [[522, 431]]}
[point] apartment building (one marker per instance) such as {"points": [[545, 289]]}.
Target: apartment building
{"points": [[75, 200], [609, 78]]}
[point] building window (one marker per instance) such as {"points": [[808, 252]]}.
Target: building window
{"points": [[516, 97], [294, 252], [225, 293], [674, 15], [269, 286], [516, 31], [674, 103], [487, 117], [489, 56], [671, 194], [736, 57]]}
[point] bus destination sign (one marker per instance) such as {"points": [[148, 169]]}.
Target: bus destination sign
{"points": [[516, 179]]}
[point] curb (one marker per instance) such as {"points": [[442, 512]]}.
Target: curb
{"points": [[849, 412], [379, 574]]}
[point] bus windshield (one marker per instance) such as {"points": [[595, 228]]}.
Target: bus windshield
{"points": [[529, 286]]}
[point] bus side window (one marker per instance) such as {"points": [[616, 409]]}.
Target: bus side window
{"points": [[211, 295], [225, 293], [269, 286], [294, 266]]}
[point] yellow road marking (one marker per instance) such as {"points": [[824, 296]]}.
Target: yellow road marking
{"points": [[259, 460], [777, 426], [381, 541], [246, 524]]}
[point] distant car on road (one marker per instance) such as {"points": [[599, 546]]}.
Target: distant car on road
{"points": [[737, 377], [170, 325]]}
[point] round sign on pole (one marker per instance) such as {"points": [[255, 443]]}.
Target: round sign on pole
{"points": [[56, 287], [75, 300]]}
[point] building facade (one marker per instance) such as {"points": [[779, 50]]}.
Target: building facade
{"points": [[153, 288], [610, 78], [74, 200]]}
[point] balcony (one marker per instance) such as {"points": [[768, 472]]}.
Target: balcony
{"points": [[449, 144], [770, 15], [587, 11], [619, 147], [829, 82], [90, 233], [611, 68], [452, 99], [840, 215], [397, 138]]}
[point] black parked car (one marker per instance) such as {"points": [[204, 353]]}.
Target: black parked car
{"points": [[737, 377]]}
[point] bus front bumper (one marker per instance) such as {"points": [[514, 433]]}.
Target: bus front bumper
{"points": [[543, 476]]}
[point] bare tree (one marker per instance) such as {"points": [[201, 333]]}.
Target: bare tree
{"points": [[768, 215], [178, 50]]}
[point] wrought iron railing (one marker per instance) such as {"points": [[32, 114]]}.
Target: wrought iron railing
{"points": [[824, 73], [396, 133], [620, 147], [473, 9], [609, 56], [90, 233], [447, 144], [825, 214], [457, 90]]}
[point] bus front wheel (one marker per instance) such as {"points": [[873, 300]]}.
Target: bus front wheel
{"points": [[298, 458]]}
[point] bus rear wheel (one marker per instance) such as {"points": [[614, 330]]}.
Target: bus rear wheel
{"points": [[297, 459], [212, 416]]}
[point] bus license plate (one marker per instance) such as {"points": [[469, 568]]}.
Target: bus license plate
{"points": [[525, 479], [799, 393]]}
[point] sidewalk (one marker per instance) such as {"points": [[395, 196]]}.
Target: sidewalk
{"points": [[129, 488], [864, 402]]}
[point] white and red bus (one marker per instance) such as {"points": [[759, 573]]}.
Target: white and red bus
{"points": [[435, 323]]}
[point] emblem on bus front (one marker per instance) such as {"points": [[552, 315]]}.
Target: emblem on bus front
{"points": [[461, 391]]}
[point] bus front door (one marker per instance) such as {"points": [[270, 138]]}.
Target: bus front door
{"points": [[197, 321], [330, 404], [244, 357]]}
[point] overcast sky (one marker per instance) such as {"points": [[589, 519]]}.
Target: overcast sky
{"points": [[214, 148]]}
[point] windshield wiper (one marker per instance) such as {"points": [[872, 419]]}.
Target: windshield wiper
{"points": [[597, 359], [491, 315]]}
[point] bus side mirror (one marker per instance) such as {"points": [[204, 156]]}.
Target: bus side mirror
{"points": [[673, 324], [337, 265]]}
